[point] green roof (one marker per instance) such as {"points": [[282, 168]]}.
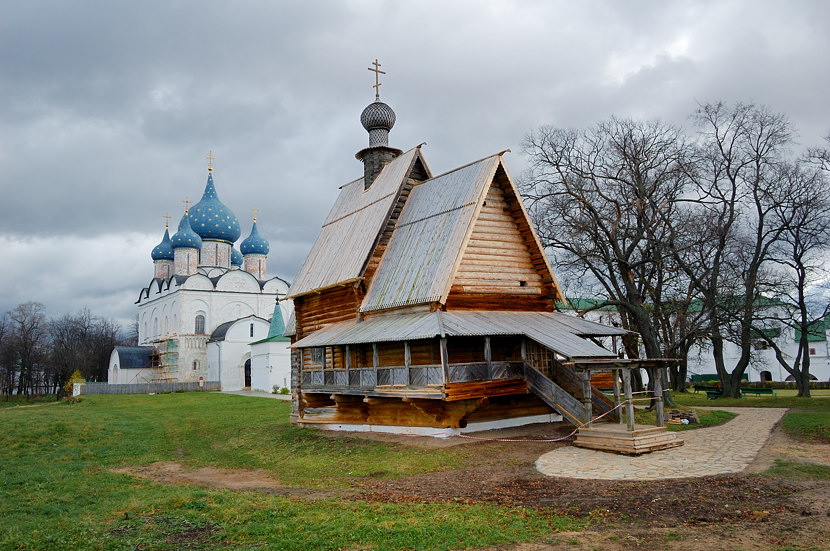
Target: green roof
{"points": [[577, 303], [817, 331], [275, 332]]}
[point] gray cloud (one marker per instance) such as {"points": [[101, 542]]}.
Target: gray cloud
{"points": [[109, 108]]}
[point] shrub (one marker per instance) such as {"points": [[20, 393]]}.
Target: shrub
{"points": [[76, 377]]}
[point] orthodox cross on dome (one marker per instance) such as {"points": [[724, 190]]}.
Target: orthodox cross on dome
{"points": [[254, 211], [167, 218], [210, 158], [377, 72], [186, 202]]}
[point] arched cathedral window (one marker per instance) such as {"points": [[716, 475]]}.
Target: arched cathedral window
{"points": [[200, 324]]}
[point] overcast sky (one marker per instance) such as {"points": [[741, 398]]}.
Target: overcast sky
{"points": [[108, 109]]}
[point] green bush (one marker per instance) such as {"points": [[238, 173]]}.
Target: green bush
{"points": [[76, 377]]}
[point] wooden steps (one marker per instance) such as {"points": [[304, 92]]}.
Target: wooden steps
{"points": [[616, 438]]}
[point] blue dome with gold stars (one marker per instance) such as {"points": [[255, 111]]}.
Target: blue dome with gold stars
{"points": [[236, 257], [254, 243], [186, 238], [164, 250], [213, 220]]}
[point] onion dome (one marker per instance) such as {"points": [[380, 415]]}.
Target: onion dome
{"points": [[254, 243], [164, 250], [378, 119], [213, 220], [236, 258], [186, 238]]}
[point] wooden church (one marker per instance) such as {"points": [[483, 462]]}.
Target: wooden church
{"points": [[427, 305]]}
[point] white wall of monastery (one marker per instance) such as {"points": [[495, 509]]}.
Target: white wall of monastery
{"points": [[270, 365], [227, 357]]}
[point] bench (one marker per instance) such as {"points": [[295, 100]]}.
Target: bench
{"points": [[713, 394], [705, 388], [758, 391]]}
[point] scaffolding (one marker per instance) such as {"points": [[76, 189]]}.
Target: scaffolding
{"points": [[165, 360]]}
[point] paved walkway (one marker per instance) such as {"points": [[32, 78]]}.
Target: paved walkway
{"points": [[727, 448]]}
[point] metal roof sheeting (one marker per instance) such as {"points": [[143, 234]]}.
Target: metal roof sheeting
{"points": [[553, 330], [351, 228], [134, 357], [419, 262]]}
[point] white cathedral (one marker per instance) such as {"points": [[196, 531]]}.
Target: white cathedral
{"points": [[210, 313]]}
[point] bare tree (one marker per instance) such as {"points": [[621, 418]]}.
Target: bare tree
{"points": [[803, 208], [28, 338], [7, 371], [84, 342], [742, 149], [600, 200]]}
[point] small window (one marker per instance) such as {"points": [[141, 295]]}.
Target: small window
{"points": [[200, 324], [318, 355], [252, 329], [812, 352], [195, 365]]}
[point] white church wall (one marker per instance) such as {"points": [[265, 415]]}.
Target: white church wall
{"points": [[170, 311], [701, 361], [270, 365], [192, 359], [198, 282], [234, 350], [238, 281], [235, 309]]}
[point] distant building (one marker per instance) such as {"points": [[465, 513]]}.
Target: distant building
{"points": [[205, 305], [763, 365]]}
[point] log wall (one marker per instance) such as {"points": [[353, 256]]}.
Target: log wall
{"points": [[502, 266]]}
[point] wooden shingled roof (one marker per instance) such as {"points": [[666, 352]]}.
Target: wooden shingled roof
{"points": [[349, 233], [423, 257]]}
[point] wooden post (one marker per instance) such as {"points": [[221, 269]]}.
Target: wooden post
{"points": [[659, 411], [629, 405], [616, 374], [445, 366], [348, 364], [323, 365], [588, 410], [375, 360], [488, 357], [296, 381], [407, 361]]}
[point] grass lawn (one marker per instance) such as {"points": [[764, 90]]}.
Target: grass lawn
{"points": [[707, 418], [15, 401], [57, 490], [692, 399]]}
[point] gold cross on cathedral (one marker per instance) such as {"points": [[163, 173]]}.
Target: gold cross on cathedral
{"points": [[210, 158], [186, 202], [377, 72], [254, 211], [166, 220]]}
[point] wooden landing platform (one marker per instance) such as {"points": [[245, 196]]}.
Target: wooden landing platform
{"points": [[616, 438]]}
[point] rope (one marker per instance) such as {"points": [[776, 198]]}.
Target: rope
{"points": [[597, 418]]}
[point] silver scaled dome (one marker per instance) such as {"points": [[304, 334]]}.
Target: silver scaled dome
{"points": [[378, 119]]}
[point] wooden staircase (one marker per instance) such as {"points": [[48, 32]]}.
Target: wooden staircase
{"points": [[563, 392], [554, 395]]}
